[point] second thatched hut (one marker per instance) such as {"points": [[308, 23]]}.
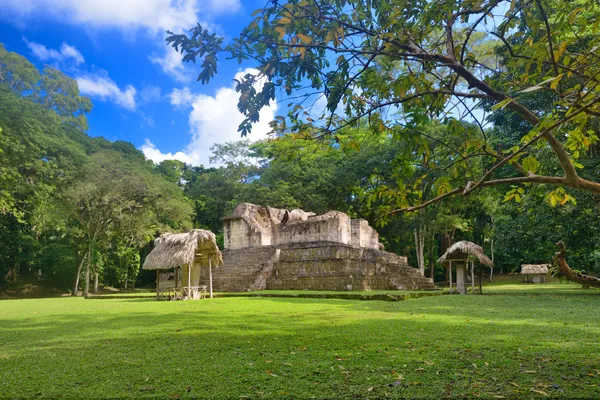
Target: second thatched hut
{"points": [[185, 253], [535, 273], [461, 255]]}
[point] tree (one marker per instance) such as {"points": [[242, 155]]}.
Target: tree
{"points": [[398, 64], [60, 93], [118, 201], [37, 156], [16, 72], [69, 202]]}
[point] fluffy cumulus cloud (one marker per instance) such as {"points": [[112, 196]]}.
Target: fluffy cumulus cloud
{"points": [[152, 15], [102, 87], [66, 53], [182, 97], [170, 62], [212, 119], [154, 154]]}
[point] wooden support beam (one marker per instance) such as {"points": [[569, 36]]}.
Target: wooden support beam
{"points": [[450, 274], [461, 271], [472, 277], [189, 279], [157, 283], [210, 277]]}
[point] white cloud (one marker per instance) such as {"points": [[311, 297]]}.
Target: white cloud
{"points": [[154, 154], [170, 63], [72, 52], [104, 88], [223, 6], [181, 97], [151, 15], [212, 119], [65, 53], [150, 94]]}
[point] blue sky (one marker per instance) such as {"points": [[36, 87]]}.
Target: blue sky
{"points": [[141, 91]]}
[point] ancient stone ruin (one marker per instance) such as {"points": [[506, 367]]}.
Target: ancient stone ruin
{"points": [[277, 249]]}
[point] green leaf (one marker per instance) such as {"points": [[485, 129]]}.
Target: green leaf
{"points": [[502, 104], [574, 14], [531, 89], [531, 164]]}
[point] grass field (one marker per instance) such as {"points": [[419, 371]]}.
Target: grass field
{"points": [[393, 295], [516, 341]]}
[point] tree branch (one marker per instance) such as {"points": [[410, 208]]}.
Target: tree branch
{"points": [[521, 179], [560, 259], [549, 35]]}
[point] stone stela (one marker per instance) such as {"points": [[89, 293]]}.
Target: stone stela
{"points": [[277, 249]]}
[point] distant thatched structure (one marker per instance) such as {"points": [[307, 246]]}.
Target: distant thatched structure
{"points": [[536, 273], [533, 269], [461, 251], [461, 254], [186, 253], [173, 250]]}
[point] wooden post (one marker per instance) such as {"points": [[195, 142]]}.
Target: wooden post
{"points": [[472, 276], [450, 274], [157, 282], [210, 277], [460, 278], [189, 278]]}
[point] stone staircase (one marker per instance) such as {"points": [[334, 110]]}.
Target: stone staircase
{"points": [[314, 266], [402, 275], [242, 269]]}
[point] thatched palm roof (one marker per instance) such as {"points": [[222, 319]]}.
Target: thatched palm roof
{"points": [[176, 249], [464, 250], [532, 269]]}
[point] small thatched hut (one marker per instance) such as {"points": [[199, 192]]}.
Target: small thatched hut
{"points": [[186, 253], [460, 254], [535, 273]]}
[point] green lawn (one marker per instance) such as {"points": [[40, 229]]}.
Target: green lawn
{"points": [[516, 341], [287, 293]]}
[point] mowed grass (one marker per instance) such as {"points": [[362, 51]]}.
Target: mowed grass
{"points": [[517, 341], [283, 293]]}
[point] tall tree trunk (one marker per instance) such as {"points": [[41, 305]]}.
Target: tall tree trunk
{"points": [[126, 277], [86, 287], [431, 260], [492, 250], [96, 279], [419, 232], [560, 258], [11, 275], [79, 266]]}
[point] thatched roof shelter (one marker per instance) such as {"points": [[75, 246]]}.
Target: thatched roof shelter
{"points": [[186, 253], [461, 251], [176, 249], [534, 269], [462, 254]]}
